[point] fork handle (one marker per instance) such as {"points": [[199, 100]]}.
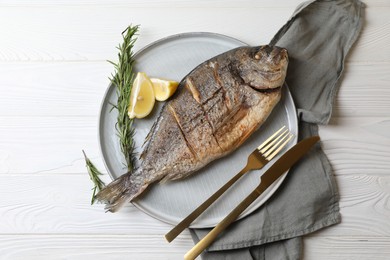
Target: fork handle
{"points": [[233, 215], [171, 235]]}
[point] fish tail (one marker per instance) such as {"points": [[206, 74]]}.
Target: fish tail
{"points": [[122, 190]]}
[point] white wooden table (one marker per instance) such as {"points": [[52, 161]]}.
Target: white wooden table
{"points": [[53, 74]]}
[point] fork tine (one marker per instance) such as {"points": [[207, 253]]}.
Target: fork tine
{"points": [[280, 147], [272, 143], [275, 143], [270, 138]]}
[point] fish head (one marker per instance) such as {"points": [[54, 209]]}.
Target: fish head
{"points": [[264, 67]]}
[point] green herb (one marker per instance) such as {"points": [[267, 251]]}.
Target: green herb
{"points": [[94, 174], [123, 79]]}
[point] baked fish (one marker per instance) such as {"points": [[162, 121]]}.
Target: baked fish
{"points": [[217, 107]]}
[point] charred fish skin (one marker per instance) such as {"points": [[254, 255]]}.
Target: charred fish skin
{"points": [[217, 107]]}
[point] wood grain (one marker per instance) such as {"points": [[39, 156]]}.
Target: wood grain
{"points": [[53, 75], [357, 97], [31, 145], [47, 112], [73, 89], [76, 89], [347, 248], [45, 32], [170, 3], [49, 247], [83, 34], [357, 146], [60, 204], [354, 145]]}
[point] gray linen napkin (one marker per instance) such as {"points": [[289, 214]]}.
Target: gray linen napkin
{"points": [[318, 37]]}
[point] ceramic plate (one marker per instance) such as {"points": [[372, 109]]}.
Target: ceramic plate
{"points": [[173, 58]]}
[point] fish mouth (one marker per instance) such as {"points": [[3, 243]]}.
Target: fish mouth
{"points": [[265, 89], [271, 75], [273, 79]]}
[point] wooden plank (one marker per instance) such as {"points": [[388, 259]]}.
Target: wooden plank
{"points": [[34, 145], [357, 248], [170, 3], [81, 32], [358, 146], [51, 144], [76, 89], [48, 247], [47, 111], [364, 206], [159, 3], [54, 74], [60, 204], [364, 91], [53, 89]]}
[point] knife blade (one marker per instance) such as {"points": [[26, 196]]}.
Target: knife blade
{"points": [[284, 163]]}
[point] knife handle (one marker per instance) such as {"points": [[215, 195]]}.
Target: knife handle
{"points": [[171, 235], [233, 215]]}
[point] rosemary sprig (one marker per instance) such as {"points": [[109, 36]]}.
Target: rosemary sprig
{"points": [[94, 174], [123, 79]]}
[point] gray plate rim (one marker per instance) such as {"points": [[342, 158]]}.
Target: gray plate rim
{"points": [[152, 45]]}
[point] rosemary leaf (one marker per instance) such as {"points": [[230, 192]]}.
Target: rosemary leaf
{"points": [[94, 174], [123, 79]]}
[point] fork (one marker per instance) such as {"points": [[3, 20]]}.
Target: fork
{"points": [[256, 160]]}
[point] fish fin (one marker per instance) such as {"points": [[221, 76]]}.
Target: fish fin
{"points": [[170, 177], [165, 179], [122, 190]]}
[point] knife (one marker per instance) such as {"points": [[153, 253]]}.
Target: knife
{"points": [[272, 174]]}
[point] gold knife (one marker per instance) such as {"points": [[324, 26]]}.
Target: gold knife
{"points": [[272, 174]]}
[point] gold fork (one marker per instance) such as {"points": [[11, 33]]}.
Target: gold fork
{"points": [[256, 160]]}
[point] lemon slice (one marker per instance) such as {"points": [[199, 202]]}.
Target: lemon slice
{"points": [[141, 97], [163, 89]]}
